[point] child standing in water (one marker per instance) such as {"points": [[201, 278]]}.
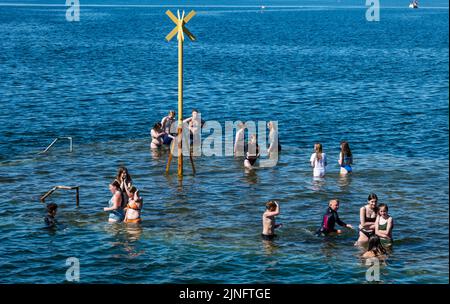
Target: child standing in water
{"points": [[331, 218], [268, 220], [134, 207], [50, 220], [345, 158], [384, 224], [318, 161]]}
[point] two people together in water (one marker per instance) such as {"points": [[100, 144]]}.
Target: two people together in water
{"points": [[165, 131], [125, 204], [319, 162]]}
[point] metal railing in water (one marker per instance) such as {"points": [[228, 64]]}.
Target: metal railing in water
{"points": [[77, 188], [55, 140]]}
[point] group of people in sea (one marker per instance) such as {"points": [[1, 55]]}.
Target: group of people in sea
{"points": [[126, 203], [165, 131], [162, 134], [375, 228]]}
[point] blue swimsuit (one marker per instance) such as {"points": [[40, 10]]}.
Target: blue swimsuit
{"points": [[117, 214], [346, 163]]}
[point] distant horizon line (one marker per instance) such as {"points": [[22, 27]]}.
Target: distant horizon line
{"points": [[210, 5]]}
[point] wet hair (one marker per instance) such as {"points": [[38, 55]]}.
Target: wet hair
{"points": [[333, 200], [372, 196], [375, 244], [345, 149], [133, 189], [383, 206], [116, 184], [271, 205], [157, 126], [119, 174], [318, 150], [52, 207], [172, 112], [194, 110]]}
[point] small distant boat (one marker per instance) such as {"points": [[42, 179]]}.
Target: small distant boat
{"points": [[414, 4]]}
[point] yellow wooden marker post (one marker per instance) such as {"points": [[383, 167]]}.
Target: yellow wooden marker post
{"points": [[180, 30]]}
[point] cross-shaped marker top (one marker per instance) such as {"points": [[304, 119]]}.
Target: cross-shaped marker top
{"points": [[180, 27]]}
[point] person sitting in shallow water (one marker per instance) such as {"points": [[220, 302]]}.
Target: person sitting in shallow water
{"points": [[367, 217], [375, 249], [50, 218], [134, 207], [331, 218], [268, 220]]}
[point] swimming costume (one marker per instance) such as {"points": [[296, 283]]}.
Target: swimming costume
{"points": [[347, 163], [369, 219], [382, 226], [268, 237], [330, 218], [117, 214], [366, 232], [167, 139], [134, 221], [252, 157]]}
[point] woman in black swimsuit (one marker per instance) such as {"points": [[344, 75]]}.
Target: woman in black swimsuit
{"points": [[367, 215], [252, 153]]}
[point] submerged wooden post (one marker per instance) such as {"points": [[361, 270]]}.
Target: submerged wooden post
{"points": [[180, 30]]}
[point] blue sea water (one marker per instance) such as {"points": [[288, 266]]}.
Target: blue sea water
{"points": [[318, 67]]}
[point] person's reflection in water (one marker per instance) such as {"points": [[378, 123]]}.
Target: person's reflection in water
{"points": [[156, 153], [328, 248], [318, 183], [270, 247], [133, 234], [251, 177], [125, 236], [344, 181]]}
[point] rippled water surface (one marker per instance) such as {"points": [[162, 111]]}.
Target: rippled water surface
{"points": [[324, 72]]}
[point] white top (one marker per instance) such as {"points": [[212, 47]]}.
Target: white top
{"points": [[318, 165]]}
